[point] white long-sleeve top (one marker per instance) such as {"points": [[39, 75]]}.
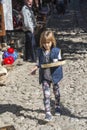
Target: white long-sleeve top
{"points": [[29, 19]]}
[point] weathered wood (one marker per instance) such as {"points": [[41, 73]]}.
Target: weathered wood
{"points": [[2, 23], [54, 64], [3, 78], [8, 128]]}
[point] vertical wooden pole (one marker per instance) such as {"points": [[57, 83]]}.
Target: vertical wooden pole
{"points": [[2, 23]]}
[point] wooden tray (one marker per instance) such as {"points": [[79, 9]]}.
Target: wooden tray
{"points": [[54, 64]]}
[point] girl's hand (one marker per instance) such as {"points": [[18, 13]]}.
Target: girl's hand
{"points": [[33, 71]]}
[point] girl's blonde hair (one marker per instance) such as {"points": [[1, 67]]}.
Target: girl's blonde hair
{"points": [[47, 36]]}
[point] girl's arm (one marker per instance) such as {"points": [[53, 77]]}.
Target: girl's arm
{"points": [[33, 70]]}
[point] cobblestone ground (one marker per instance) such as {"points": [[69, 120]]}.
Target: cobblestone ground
{"points": [[21, 99]]}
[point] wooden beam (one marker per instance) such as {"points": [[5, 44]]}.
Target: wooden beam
{"points": [[2, 23], [8, 128]]}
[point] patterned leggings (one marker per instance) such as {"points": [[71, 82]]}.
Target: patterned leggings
{"points": [[46, 91]]}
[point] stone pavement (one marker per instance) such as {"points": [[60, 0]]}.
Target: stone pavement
{"points": [[21, 99]]}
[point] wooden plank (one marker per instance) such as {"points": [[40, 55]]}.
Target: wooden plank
{"points": [[2, 23], [8, 128], [54, 64]]}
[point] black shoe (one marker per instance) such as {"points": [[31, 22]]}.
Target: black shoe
{"points": [[57, 111]]}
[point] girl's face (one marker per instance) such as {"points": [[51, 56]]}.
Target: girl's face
{"points": [[47, 46]]}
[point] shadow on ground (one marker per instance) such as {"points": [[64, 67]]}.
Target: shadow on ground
{"points": [[16, 109]]}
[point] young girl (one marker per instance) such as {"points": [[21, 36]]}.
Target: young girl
{"points": [[46, 54]]}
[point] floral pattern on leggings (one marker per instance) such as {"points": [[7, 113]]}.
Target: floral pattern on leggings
{"points": [[46, 91]]}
